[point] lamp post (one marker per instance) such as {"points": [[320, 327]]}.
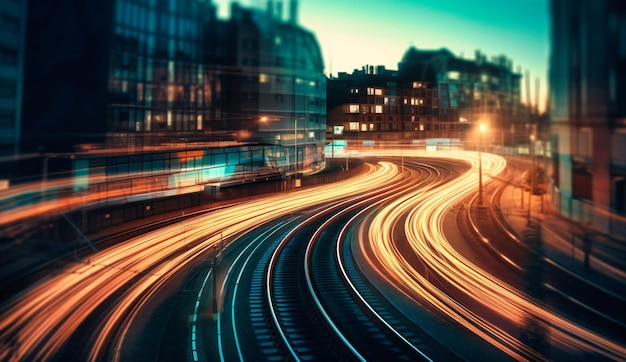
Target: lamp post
{"points": [[481, 129], [532, 173]]}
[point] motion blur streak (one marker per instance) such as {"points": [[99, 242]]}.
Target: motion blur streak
{"points": [[37, 323], [424, 232]]}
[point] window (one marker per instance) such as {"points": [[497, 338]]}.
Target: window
{"points": [[9, 24], [354, 90], [417, 85], [8, 56], [353, 126], [7, 119], [354, 108], [279, 98], [453, 74], [7, 90], [378, 109], [585, 144], [378, 92]]}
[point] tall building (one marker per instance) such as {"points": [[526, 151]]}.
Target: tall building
{"points": [[12, 47], [121, 72], [133, 73], [587, 109], [272, 83]]}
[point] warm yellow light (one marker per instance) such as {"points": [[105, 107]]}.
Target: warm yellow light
{"points": [[532, 137], [482, 127], [263, 119]]}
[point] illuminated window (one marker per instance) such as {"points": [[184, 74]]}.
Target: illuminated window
{"points": [[417, 84], [378, 109], [370, 91], [585, 143], [354, 90], [263, 78], [406, 101], [453, 74], [421, 127], [148, 120], [199, 122], [353, 126], [371, 126], [378, 92], [170, 71], [363, 127], [354, 108]]}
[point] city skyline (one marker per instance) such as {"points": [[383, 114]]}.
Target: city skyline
{"points": [[517, 29]]}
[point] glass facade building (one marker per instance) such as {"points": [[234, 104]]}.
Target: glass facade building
{"points": [[144, 73], [159, 81], [273, 86]]}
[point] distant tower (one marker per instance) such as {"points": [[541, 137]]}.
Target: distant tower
{"points": [[293, 12], [279, 10], [270, 8]]}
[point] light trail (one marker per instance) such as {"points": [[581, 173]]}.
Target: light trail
{"points": [[39, 321], [425, 235]]}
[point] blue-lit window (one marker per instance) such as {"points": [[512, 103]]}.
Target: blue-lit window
{"points": [[172, 26], [151, 21]]}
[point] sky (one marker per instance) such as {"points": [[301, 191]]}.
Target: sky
{"points": [[354, 33]]}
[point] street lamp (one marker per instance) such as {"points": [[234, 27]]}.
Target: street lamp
{"points": [[481, 129], [532, 172]]}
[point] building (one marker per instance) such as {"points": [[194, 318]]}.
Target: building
{"points": [[472, 91], [375, 104], [273, 83], [587, 110], [12, 47], [434, 94], [123, 72], [135, 73]]}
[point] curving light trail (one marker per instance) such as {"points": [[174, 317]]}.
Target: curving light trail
{"points": [[424, 232], [38, 322]]}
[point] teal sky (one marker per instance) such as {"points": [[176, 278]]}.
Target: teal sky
{"points": [[353, 33]]}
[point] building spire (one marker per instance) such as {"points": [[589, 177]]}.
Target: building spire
{"points": [[293, 12]]}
